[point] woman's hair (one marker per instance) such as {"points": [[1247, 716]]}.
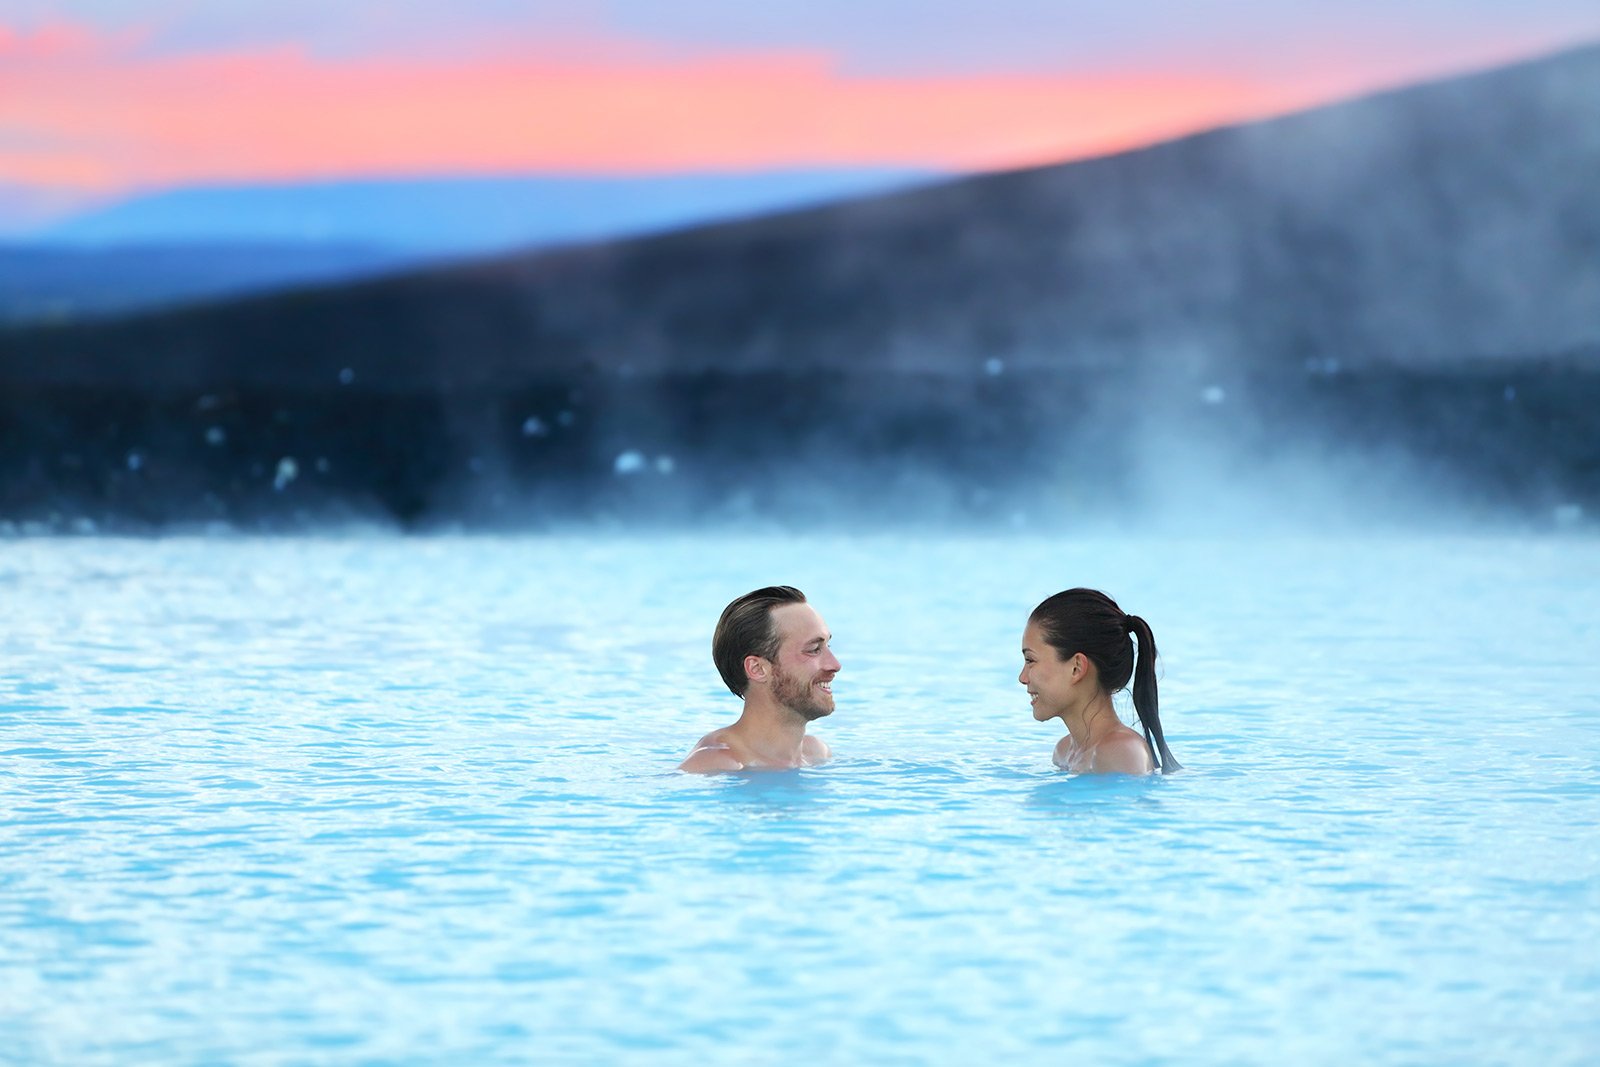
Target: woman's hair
{"points": [[1088, 621]]}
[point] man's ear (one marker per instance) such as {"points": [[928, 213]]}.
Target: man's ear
{"points": [[755, 668]]}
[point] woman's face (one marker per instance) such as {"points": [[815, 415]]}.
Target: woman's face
{"points": [[1046, 675]]}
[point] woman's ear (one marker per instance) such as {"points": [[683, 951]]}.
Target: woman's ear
{"points": [[1080, 666]]}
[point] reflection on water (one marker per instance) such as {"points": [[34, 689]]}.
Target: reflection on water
{"points": [[1072, 794], [396, 799], [776, 791]]}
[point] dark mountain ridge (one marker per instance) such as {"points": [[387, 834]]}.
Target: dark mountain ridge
{"points": [[1414, 272]]}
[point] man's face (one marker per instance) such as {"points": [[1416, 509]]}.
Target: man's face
{"points": [[802, 674]]}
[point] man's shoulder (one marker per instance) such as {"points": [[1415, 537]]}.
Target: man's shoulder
{"points": [[711, 753], [719, 736], [709, 759], [815, 749]]}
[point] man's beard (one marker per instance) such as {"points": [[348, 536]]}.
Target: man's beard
{"points": [[799, 697]]}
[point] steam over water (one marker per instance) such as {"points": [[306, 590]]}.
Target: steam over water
{"points": [[367, 798]]}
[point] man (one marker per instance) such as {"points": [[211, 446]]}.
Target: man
{"points": [[771, 648]]}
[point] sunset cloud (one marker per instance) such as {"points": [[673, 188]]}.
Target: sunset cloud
{"points": [[99, 113], [297, 90]]}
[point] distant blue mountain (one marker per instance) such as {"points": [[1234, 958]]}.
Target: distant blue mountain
{"points": [[455, 216], [57, 283], [203, 243]]}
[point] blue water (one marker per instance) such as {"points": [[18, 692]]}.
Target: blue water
{"points": [[365, 799]]}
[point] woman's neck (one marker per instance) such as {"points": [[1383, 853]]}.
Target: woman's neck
{"points": [[1091, 722]]}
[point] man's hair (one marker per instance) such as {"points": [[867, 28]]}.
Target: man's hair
{"points": [[746, 629]]}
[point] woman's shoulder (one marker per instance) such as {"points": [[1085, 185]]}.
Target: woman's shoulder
{"points": [[1124, 752]]}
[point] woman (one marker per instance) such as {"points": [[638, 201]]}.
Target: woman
{"points": [[1076, 652]]}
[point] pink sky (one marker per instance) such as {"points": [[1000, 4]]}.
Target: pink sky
{"points": [[107, 118], [102, 108]]}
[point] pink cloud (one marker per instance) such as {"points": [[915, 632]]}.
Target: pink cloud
{"points": [[98, 114], [50, 41]]}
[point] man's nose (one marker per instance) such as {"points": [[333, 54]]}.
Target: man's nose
{"points": [[831, 663]]}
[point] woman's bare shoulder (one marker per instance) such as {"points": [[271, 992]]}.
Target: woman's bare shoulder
{"points": [[1124, 753]]}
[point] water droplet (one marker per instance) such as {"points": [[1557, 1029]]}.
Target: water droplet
{"points": [[288, 471], [629, 462]]}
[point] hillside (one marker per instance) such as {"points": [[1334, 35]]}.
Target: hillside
{"points": [[1450, 221], [1433, 249], [49, 283]]}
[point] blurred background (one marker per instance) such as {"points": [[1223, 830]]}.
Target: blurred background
{"points": [[277, 265]]}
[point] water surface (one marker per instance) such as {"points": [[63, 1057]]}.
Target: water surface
{"points": [[372, 799]]}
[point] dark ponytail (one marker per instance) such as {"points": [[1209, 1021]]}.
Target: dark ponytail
{"points": [[1146, 701], [1088, 621]]}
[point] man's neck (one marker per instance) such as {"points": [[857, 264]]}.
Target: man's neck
{"points": [[772, 733]]}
